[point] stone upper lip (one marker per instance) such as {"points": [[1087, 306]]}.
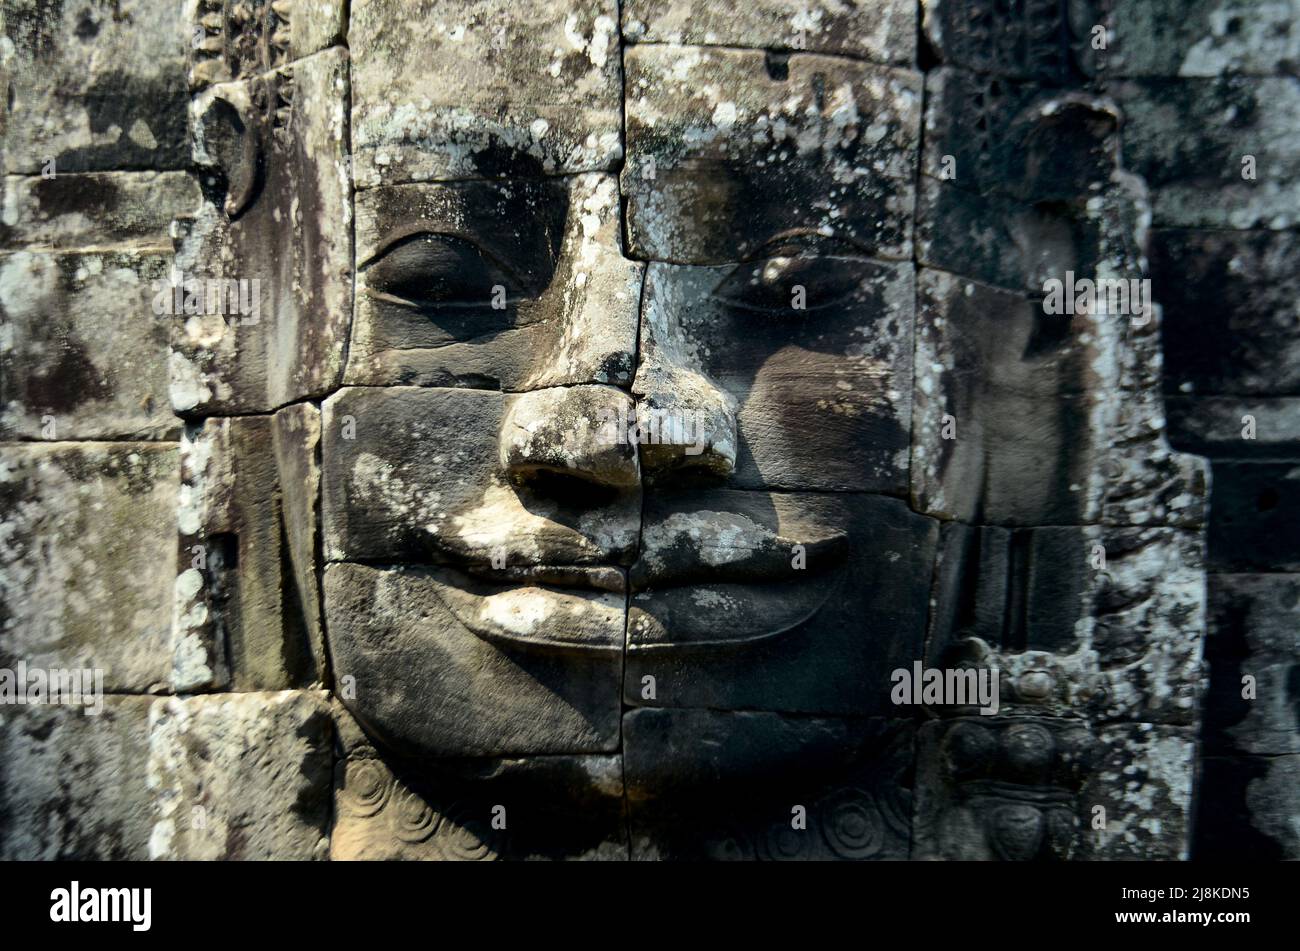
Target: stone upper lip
{"points": [[686, 548], [691, 547]]}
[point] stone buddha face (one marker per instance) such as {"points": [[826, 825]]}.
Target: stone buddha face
{"points": [[518, 568], [638, 483]]}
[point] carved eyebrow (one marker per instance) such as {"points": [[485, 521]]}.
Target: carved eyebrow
{"points": [[810, 237], [412, 233], [403, 235]]}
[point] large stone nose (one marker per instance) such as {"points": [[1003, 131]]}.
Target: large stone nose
{"points": [[573, 431], [684, 421], [673, 390]]}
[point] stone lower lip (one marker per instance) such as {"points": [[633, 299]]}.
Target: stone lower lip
{"points": [[532, 616], [710, 616]]}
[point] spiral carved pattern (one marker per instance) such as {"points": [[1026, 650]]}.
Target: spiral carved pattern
{"points": [[367, 788], [730, 844], [466, 839], [783, 843], [852, 824], [411, 817]]}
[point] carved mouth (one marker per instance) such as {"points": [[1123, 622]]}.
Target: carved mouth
{"points": [[709, 579], [994, 791], [580, 609], [705, 579]]}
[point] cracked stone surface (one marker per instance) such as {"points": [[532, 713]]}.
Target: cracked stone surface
{"points": [[95, 209], [1143, 780], [1203, 38], [430, 79], [1196, 177], [225, 777], [93, 89], [1250, 638], [239, 776], [85, 357], [85, 580], [882, 30]]}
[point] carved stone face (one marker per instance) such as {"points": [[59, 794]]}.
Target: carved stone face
{"points": [[565, 226], [538, 580]]}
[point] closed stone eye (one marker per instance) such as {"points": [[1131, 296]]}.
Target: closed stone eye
{"points": [[787, 278], [436, 269]]}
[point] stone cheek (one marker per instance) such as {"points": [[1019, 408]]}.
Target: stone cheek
{"points": [[735, 632], [821, 397], [495, 678], [417, 474]]}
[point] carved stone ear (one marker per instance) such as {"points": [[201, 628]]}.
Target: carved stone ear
{"points": [[228, 137], [1067, 142]]}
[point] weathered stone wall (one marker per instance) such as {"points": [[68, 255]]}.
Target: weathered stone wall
{"points": [[363, 582], [1212, 92], [152, 544]]}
